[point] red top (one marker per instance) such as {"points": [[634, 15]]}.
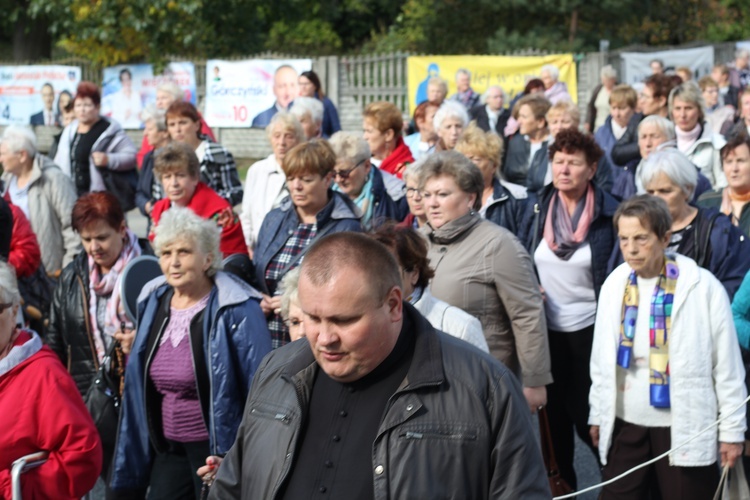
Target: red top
{"points": [[25, 255], [209, 205], [146, 146], [41, 409], [396, 162]]}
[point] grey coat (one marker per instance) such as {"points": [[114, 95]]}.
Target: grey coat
{"points": [[51, 199], [457, 427], [483, 269]]}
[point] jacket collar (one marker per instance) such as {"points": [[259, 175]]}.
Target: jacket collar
{"points": [[604, 204], [230, 290], [338, 207], [454, 229], [21, 352]]}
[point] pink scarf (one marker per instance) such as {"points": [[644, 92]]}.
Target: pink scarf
{"points": [[110, 284], [559, 234], [686, 139]]}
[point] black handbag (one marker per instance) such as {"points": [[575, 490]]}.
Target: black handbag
{"points": [[121, 184], [103, 400]]}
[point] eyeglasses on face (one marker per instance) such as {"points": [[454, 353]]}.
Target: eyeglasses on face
{"points": [[413, 193], [344, 174]]}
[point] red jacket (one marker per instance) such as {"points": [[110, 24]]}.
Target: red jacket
{"points": [[209, 205], [41, 409], [146, 146], [396, 162], [25, 255]]}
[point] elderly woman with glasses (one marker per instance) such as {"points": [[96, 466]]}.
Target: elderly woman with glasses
{"points": [[417, 216], [379, 195], [41, 410], [311, 211], [667, 365], [703, 234], [201, 337]]}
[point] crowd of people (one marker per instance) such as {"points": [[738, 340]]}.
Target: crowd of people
{"points": [[437, 280]]}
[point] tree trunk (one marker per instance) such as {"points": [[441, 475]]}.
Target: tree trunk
{"points": [[31, 39], [573, 26]]}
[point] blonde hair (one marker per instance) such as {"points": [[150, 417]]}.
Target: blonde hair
{"points": [[475, 141]]}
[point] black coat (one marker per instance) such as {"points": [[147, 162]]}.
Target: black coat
{"points": [[479, 114], [505, 210], [6, 229], [626, 148]]}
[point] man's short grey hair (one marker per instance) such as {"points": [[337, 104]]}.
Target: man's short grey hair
{"points": [[309, 105], [181, 223], [463, 71], [172, 89], [450, 109], [486, 93], [349, 147], [689, 92], [464, 173], [19, 138], [413, 170], [675, 165], [9, 293], [288, 122], [436, 80], [741, 54], [665, 126], [551, 70], [289, 287], [608, 72], [158, 116]]}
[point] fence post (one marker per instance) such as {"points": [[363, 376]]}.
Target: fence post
{"points": [[332, 84]]}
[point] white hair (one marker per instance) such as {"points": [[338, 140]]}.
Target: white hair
{"points": [[665, 126], [551, 70], [309, 105], [483, 100], [350, 147], [675, 165], [414, 169], [450, 109], [19, 138], [463, 71], [608, 72], [9, 293], [158, 116], [172, 89], [181, 223], [742, 54], [289, 286], [289, 122]]}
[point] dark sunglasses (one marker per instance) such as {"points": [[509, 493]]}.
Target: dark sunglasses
{"points": [[344, 174]]}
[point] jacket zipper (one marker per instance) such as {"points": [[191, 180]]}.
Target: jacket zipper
{"points": [[192, 361], [87, 322], [145, 377], [438, 435]]}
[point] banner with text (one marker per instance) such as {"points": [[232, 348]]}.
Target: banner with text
{"points": [[509, 72], [248, 93], [30, 95], [635, 65], [128, 88]]}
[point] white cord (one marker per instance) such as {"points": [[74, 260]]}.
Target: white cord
{"points": [[656, 459]]}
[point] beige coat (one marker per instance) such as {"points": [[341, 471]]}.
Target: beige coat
{"points": [[483, 269], [51, 199]]}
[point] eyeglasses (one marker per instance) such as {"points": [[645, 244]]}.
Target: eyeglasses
{"points": [[3, 307], [413, 192], [344, 174]]}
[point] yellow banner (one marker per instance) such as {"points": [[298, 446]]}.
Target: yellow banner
{"points": [[509, 72]]}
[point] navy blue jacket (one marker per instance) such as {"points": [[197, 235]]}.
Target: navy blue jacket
{"points": [[505, 210], [339, 214], [145, 183], [384, 206], [602, 237], [331, 123], [234, 339]]}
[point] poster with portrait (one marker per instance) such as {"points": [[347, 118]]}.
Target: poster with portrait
{"points": [[128, 88], [248, 93], [635, 65], [29, 95], [509, 72]]}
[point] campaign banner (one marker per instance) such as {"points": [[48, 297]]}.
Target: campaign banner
{"points": [[128, 88], [509, 72], [635, 65], [30, 95], [248, 93]]}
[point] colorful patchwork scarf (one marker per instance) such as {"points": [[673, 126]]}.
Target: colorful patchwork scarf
{"points": [[660, 326]]}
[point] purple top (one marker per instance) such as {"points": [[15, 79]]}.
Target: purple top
{"points": [[173, 375]]}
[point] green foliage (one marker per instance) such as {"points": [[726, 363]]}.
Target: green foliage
{"points": [[308, 37]]}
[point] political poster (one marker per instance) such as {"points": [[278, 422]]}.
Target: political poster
{"points": [[509, 72], [248, 93], [128, 88], [635, 65], [30, 95]]}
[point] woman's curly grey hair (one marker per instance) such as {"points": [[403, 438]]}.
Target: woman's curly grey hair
{"points": [[180, 223]]}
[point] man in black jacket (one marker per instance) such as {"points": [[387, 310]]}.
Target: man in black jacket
{"points": [[490, 116], [375, 403]]}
